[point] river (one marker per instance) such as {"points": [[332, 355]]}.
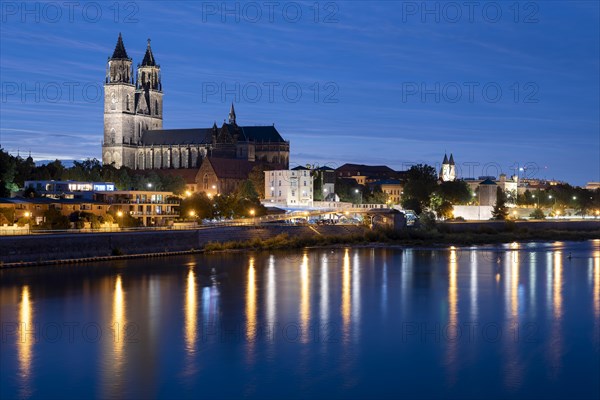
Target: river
{"points": [[519, 320]]}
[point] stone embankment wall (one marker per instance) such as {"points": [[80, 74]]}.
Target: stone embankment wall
{"points": [[40, 248]]}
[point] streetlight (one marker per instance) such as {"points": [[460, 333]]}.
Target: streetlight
{"points": [[188, 193], [27, 214], [357, 192], [119, 214], [149, 185], [252, 212]]}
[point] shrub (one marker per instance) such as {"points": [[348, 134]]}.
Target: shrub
{"points": [[537, 214]]}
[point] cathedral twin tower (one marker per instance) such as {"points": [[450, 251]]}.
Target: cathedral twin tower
{"points": [[133, 121], [131, 106]]}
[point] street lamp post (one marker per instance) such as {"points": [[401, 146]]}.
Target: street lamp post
{"points": [[359, 192]]}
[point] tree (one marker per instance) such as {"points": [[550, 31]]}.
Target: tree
{"points": [[197, 204], [500, 211], [377, 196], [444, 210], [421, 182], [454, 192], [246, 190], [8, 171], [53, 219], [257, 177], [175, 184], [346, 188]]}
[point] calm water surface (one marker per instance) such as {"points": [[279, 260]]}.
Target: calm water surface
{"points": [[520, 320]]}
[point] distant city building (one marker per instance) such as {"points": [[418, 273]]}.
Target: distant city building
{"points": [[508, 186], [592, 185], [133, 125], [68, 189], [150, 207], [392, 188], [448, 170], [487, 192], [364, 174], [291, 188]]}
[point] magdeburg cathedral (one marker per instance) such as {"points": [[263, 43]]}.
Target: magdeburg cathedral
{"points": [[133, 121]]}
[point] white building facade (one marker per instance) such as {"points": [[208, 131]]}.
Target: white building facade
{"points": [[290, 188]]}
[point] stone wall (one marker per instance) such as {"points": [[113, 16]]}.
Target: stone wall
{"points": [[39, 248]]}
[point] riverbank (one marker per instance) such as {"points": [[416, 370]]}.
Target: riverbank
{"points": [[78, 248]]}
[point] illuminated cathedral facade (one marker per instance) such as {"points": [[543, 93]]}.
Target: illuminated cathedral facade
{"points": [[133, 125]]}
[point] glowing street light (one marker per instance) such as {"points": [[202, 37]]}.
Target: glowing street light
{"points": [[27, 214], [119, 214], [252, 212], [192, 213], [188, 193], [149, 185]]}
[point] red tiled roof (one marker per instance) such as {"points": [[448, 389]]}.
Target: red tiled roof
{"points": [[230, 168], [188, 174]]}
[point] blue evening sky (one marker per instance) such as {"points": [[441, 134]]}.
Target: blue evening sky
{"points": [[499, 84]]}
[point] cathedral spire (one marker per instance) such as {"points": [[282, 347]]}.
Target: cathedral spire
{"points": [[120, 52], [148, 57], [232, 115], [445, 159], [451, 162]]}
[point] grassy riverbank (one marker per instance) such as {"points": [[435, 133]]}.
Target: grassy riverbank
{"points": [[416, 237]]}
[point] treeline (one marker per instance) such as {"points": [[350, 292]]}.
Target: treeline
{"points": [[14, 171], [243, 203]]}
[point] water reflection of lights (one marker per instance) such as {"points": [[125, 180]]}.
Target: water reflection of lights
{"points": [[191, 312], [452, 288], [356, 293], [452, 327], [557, 284], [304, 297], [474, 283], [324, 317], [251, 302], [271, 291], [532, 279], [25, 341], [119, 321], [346, 293], [597, 284]]}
